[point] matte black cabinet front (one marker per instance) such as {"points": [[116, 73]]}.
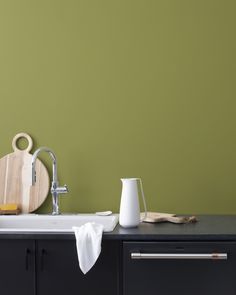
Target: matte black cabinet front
{"points": [[43, 267], [46, 267], [17, 267], [58, 270], [184, 268]]}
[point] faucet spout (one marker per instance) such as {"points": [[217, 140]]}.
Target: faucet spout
{"points": [[55, 188], [54, 159]]}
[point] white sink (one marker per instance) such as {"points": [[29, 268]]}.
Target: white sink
{"points": [[50, 223]]}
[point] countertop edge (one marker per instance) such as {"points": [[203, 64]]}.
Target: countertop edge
{"points": [[208, 228]]}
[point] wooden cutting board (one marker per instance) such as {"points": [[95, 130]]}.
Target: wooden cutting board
{"points": [[154, 217], [16, 178]]}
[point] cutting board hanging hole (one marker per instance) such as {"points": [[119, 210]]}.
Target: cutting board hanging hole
{"points": [[27, 138]]}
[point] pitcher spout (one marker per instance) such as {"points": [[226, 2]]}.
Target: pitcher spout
{"points": [[132, 178]]}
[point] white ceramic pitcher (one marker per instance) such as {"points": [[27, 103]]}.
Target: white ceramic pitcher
{"points": [[129, 204]]}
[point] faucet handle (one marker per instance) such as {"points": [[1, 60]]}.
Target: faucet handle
{"points": [[62, 189], [66, 188]]}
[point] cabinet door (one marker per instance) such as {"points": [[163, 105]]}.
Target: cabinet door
{"points": [[17, 267], [59, 272], [179, 268]]}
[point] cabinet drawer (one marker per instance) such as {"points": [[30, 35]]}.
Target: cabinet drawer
{"points": [[183, 267]]}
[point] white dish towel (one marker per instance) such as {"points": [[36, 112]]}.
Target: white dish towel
{"points": [[88, 243]]}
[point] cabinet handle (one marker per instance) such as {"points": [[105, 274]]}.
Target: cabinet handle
{"points": [[213, 256], [43, 252], [27, 253]]}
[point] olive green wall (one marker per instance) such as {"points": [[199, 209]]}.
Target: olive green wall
{"points": [[126, 88]]}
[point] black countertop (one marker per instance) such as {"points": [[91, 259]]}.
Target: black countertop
{"points": [[207, 228]]}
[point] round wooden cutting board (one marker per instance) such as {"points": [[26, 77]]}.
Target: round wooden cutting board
{"points": [[16, 178]]}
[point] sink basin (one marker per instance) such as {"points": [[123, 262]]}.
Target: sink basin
{"points": [[50, 223]]}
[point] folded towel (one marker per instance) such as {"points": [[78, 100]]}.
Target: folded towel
{"points": [[88, 243]]}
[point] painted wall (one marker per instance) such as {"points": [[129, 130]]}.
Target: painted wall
{"points": [[125, 88]]}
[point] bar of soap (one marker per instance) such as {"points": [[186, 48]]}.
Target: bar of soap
{"points": [[103, 213], [10, 207]]}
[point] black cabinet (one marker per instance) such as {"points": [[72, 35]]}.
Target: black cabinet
{"points": [[50, 266], [179, 267], [17, 267], [58, 270], [43, 267]]}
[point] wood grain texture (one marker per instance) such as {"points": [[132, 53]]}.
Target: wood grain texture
{"points": [[154, 217], [16, 177]]}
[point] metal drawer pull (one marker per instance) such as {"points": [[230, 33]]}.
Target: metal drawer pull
{"points": [[213, 256]]}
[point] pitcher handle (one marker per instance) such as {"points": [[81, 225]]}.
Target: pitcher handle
{"points": [[144, 201]]}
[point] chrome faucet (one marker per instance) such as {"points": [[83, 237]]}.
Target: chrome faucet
{"points": [[56, 190]]}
